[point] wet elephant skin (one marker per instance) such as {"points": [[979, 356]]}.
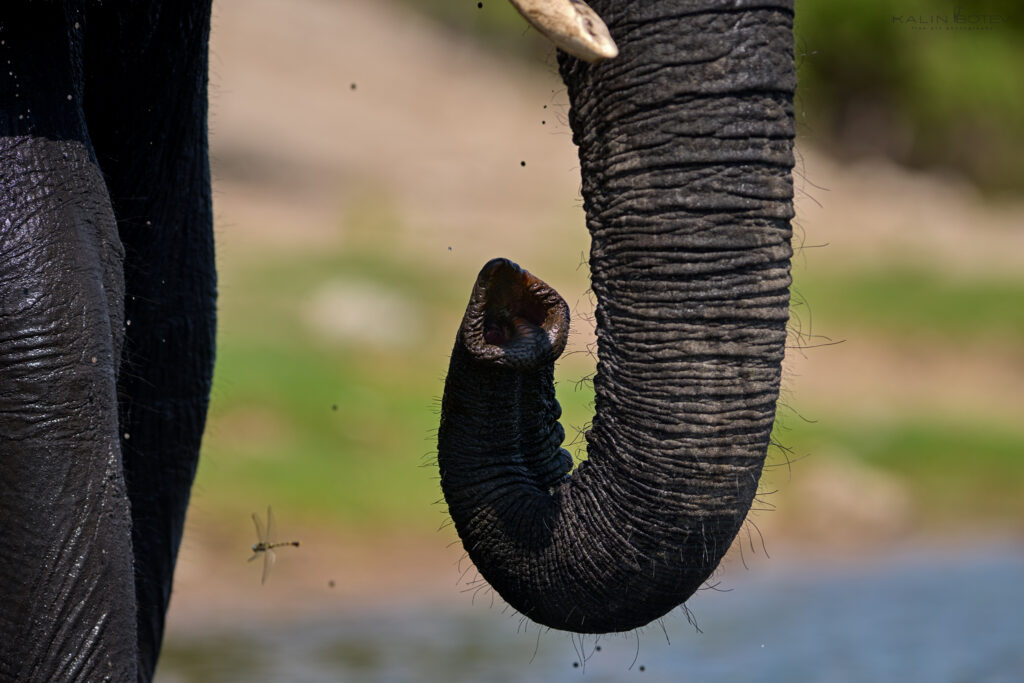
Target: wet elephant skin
{"points": [[107, 326]]}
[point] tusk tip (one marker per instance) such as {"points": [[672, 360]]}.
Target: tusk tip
{"points": [[607, 51], [572, 26]]}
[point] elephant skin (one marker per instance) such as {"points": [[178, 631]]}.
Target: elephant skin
{"points": [[107, 326], [685, 144], [108, 316]]}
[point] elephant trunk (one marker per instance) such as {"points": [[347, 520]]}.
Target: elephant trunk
{"points": [[686, 154]]}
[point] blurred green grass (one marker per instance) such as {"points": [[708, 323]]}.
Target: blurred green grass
{"points": [[908, 301], [349, 423], [927, 83], [341, 430], [957, 472]]}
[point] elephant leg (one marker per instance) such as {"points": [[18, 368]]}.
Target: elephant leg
{"points": [[68, 604], [146, 75]]}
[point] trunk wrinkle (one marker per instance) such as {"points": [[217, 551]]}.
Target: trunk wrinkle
{"points": [[686, 155]]}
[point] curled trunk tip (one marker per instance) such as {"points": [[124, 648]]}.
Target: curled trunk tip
{"points": [[514, 319]]}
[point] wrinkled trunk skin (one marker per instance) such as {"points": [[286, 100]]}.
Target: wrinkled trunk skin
{"points": [[686, 153]]}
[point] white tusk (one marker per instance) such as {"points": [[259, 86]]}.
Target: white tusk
{"points": [[572, 26]]}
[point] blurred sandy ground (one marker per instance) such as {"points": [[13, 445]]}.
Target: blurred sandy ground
{"points": [[321, 104], [321, 108]]}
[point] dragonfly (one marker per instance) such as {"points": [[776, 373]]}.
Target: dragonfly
{"points": [[265, 545]]}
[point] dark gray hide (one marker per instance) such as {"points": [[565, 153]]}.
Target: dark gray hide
{"points": [[686, 155]]}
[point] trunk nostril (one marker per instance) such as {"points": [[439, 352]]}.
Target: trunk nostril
{"points": [[512, 297], [514, 318], [496, 333], [500, 330]]}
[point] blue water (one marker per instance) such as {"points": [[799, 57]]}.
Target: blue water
{"points": [[934, 619]]}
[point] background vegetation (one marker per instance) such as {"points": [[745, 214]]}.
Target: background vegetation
{"points": [[295, 412], [928, 83], [339, 428]]}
